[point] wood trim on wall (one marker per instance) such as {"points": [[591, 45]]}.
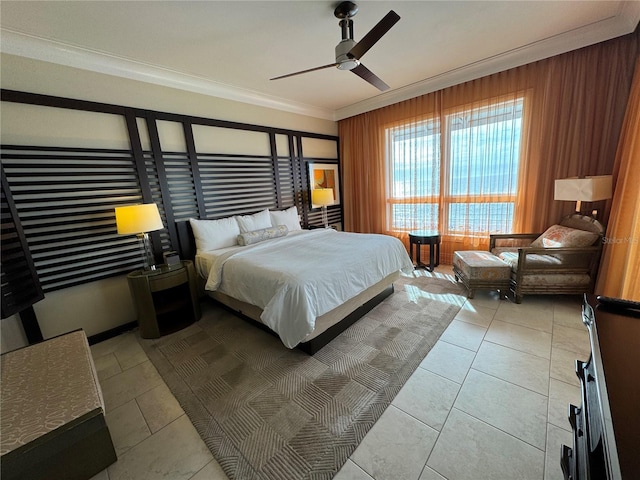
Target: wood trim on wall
{"points": [[20, 284]]}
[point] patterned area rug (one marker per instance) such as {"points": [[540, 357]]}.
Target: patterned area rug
{"points": [[267, 412]]}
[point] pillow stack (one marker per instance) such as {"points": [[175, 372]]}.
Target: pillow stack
{"points": [[243, 229]]}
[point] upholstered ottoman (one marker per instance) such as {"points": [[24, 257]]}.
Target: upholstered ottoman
{"points": [[52, 419], [478, 269]]}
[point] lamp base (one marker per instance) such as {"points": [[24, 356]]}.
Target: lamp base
{"points": [[147, 255], [578, 206], [325, 220]]}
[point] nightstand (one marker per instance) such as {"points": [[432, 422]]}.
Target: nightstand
{"points": [[166, 299], [425, 237]]}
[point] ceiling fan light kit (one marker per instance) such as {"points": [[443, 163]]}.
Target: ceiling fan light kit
{"points": [[344, 61], [348, 51]]}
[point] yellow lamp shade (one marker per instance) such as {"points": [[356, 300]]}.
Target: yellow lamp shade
{"points": [[322, 196], [136, 219]]}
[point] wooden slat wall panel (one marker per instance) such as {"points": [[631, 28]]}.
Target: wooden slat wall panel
{"points": [[333, 216], [236, 184], [20, 286], [288, 182], [181, 186], [65, 197], [66, 200], [161, 239]]}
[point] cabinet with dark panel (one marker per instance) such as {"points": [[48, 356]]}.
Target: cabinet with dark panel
{"points": [[606, 426], [166, 299]]}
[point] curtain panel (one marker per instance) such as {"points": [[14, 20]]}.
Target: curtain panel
{"points": [[620, 264], [574, 106]]}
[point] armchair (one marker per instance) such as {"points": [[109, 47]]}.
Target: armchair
{"points": [[562, 260]]}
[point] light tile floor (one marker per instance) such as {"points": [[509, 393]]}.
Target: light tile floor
{"points": [[488, 402]]}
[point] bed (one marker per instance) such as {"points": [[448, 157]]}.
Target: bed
{"points": [[306, 286]]}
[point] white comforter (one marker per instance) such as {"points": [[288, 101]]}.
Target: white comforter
{"points": [[296, 278]]}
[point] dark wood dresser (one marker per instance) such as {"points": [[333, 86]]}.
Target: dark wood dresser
{"points": [[606, 426]]}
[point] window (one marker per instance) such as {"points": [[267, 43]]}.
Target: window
{"points": [[462, 180], [414, 173]]}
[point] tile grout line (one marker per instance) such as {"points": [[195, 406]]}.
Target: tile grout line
{"points": [[516, 350], [509, 382], [475, 353], [498, 428], [546, 436]]}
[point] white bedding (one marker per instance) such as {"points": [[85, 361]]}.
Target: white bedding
{"points": [[296, 278]]}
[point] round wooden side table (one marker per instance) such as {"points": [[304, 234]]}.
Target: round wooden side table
{"points": [[425, 237], [166, 299]]}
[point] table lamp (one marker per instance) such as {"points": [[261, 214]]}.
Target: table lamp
{"points": [[322, 197], [140, 220], [586, 189]]}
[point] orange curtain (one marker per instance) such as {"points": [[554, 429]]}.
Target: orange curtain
{"points": [[578, 109], [620, 264], [574, 109]]}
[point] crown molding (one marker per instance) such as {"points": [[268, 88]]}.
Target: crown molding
{"points": [[37, 48], [623, 23], [30, 46]]}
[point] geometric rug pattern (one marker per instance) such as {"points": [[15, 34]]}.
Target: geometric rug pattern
{"points": [[267, 412]]}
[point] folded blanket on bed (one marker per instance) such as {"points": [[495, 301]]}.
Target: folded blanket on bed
{"points": [[296, 278]]}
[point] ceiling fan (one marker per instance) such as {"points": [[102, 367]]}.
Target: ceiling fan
{"points": [[348, 51]]}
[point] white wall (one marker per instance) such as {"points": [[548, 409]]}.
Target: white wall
{"points": [[106, 304], [19, 73]]}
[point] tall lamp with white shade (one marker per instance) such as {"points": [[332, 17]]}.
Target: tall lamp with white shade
{"points": [[323, 197], [585, 189], [140, 220]]}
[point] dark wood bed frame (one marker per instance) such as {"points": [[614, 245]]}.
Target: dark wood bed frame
{"points": [[187, 250]]}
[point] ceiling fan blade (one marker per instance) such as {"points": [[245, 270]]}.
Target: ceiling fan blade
{"points": [[304, 71], [366, 74], [375, 34]]}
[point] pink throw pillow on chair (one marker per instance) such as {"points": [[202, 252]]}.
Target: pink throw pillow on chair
{"points": [[558, 236]]}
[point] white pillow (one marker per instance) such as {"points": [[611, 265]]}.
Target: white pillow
{"points": [[288, 217], [214, 234], [257, 221]]}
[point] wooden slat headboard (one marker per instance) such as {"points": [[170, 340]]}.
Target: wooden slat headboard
{"points": [[186, 241]]}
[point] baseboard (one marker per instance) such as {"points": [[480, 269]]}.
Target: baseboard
{"points": [[114, 332]]}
